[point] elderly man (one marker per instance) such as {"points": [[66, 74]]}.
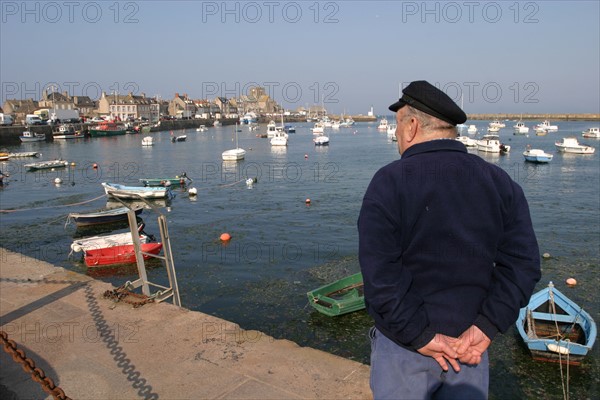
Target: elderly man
{"points": [[448, 256]]}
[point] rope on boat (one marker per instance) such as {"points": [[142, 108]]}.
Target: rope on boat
{"points": [[565, 387], [61, 205]]}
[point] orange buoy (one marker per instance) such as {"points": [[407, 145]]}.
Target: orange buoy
{"points": [[571, 282], [95, 166], [225, 237], [307, 201]]}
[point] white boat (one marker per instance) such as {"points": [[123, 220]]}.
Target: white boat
{"points": [[136, 192], [180, 138], [383, 124], [493, 129], [391, 130], [537, 156], [318, 129], [321, 140], [472, 129], [66, 132], [347, 123], [571, 145], [29, 136], [201, 128], [521, 128], [467, 141], [236, 154], [546, 126], [24, 154], [148, 141], [497, 124], [335, 124], [271, 129], [591, 133], [249, 118], [217, 123], [47, 164], [491, 144], [101, 242], [280, 139]]}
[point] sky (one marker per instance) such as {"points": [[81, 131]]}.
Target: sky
{"points": [[489, 56]]}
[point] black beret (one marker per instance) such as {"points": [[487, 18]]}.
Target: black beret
{"points": [[425, 97]]}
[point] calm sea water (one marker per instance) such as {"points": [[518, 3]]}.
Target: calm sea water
{"points": [[281, 247]]}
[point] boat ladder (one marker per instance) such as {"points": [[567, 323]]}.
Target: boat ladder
{"points": [[163, 292]]}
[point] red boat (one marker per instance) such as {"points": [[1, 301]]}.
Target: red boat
{"points": [[118, 254]]}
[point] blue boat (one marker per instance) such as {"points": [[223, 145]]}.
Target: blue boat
{"points": [[555, 328], [537, 156]]}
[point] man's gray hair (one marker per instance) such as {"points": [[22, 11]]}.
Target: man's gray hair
{"points": [[428, 122]]}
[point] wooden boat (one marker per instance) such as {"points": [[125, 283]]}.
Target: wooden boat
{"points": [[177, 180], [124, 254], [101, 217], [46, 164], [340, 297], [135, 192], [555, 328], [4, 156]]}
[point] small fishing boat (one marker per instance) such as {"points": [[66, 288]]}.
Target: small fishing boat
{"points": [[555, 328], [104, 241], [593, 133], [66, 132], [148, 141], [340, 297], [135, 192], [24, 154], [46, 164], [537, 156], [180, 138], [201, 128], [467, 141], [101, 217], [29, 136], [491, 144], [123, 254], [177, 180], [520, 127], [321, 140], [571, 145], [4, 156], [107, 128]]}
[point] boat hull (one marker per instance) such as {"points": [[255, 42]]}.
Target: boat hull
{"points": [[555, 329], [131, 192], [341, 297], [102, 217], [124, 254]]}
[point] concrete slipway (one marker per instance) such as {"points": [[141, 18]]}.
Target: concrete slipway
{"points": [[93, 348]]}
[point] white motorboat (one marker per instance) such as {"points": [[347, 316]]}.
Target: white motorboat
{"points": [[271, 129], [537, 156], [521, 128], [497, 124], [135, 192], [591, 133], [180, 138], [318, 129], [280, 139], [383, 124], [472, 129], [493, 129], [29, 136], [546, 126], [66, 132], [201, 128], [571, 145], [391, 130], [321, 140], [491, 144], [47, 164], [236, 154], [467, 141], [148, 141]]}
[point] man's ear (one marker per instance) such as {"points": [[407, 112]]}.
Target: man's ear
{"points": [[410, 130]]}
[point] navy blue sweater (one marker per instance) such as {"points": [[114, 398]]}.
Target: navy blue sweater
{"points": [[445, 242]]}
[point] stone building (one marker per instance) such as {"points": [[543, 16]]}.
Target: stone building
{"points": [[182, 106], [20, 108], [127, 107]]}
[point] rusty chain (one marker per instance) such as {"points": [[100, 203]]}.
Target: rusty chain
{"points": [[121, 294], [28, 365]]}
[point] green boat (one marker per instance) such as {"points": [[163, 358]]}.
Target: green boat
{"points": [[177, 180], [340, 297], [107, 128]]}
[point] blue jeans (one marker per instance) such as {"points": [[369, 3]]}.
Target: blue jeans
{"points": [[398, 373]]}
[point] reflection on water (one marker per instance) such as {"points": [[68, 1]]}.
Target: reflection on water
{"points": [[281, 247]]}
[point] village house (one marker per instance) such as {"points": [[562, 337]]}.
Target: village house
{"points": [[257, 101], [20, 108], [182, 107], [129, 107]]}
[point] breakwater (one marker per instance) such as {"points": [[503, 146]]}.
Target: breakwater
{"points": [[555, 117]]}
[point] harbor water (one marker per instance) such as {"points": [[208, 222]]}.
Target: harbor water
{"points": [[294, 228]]}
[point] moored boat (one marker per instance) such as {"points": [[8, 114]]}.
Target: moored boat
{"points": [[491, 144], [28, 136], [24, 154], [177, 180], [123, 254], [135, 192], [593, 133], [101, 217], [46, 164], [180, 138], [66, 132], [467, 141], [340, 297], [148, 141], [321, 140], [554, 328], [571, 145], [545, 125], [521, 128], [537, 156], [107, 128]]}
